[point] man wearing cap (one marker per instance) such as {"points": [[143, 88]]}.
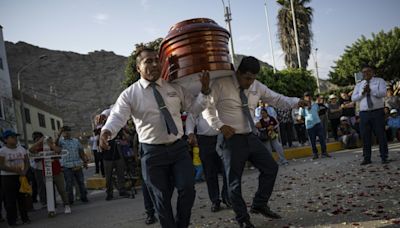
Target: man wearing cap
{"points": [[155, 107], [14, 163], [235, 98], [72, 163], [370, 93], [347, 135], [392, 101], [394, 123]]}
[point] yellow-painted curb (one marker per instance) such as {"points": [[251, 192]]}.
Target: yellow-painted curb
{"points": [[306, 151], [95, 183]]}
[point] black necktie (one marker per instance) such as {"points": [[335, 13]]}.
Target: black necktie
{"points": [[369, 100], [171, 126], [246, 110]]}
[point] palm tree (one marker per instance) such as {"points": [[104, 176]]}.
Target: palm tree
{"points": [[303, 15]]}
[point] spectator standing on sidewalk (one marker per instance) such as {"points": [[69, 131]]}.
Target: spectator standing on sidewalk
{"points": [[348, 107], [334, 114], [98, 159], [323, 113], [394, 123], [392, 101], [299, 126], [14, 163], [314, 126], [73, 163], [286, 126], [58, 175], [347, 135]]}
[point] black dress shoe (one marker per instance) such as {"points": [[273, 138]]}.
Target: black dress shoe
{"points": [[124, 194], [266, 211], [315, 157], [326, 155], [246, 224], [366, 162], [385, 161], [227, 203], [215, 207], [151, 219]]}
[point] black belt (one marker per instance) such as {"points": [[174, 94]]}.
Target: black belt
{"points": [[373, 110], [164, 144]]}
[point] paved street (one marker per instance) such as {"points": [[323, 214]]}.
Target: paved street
{"points": [[332, 192]]}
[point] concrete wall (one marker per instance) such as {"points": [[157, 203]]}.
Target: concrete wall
{"points": [[7, 115]]}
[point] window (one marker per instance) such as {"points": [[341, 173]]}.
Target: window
{"points": [[1, 64], [53, 125], [2, 116], [42, 120], [27, 115], [58, 125]]}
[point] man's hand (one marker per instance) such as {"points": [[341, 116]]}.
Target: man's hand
{"points": [[366, 89], [227, 131], [192, 139], [205, 82], [104, 137], [258, 125]]}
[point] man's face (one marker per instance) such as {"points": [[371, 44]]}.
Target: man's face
{"points": [[320, 99], [344, 96], [149, 66], [67, 134], [333, 100], [246, 79], [367, 73], [307, 98], [11, 140]]}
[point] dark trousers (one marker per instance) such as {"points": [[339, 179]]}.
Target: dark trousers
{"points": [[334, 125], [12, 198], [286, 130], [301, 133], [235, 152], [119, 166], [160, 165], [212, 165], [71, 175], [98, 161], [1, 200], [148, 203], [317, 130], [373, 121]]}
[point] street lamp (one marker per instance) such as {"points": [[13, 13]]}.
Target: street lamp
{"points": [[22, 107]]}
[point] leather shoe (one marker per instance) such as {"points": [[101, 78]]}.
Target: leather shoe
{"points": [[326, 155], [366, 162], [215, 207], [227, 202], [151, 219], [246, 224], [385, 161], [266, 211], [315, 157]]}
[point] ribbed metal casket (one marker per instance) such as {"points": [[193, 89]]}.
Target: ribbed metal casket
{"points": [[192, 46]]}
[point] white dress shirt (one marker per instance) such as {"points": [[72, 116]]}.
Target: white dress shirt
{"points": [[203, 128], [226, 100], [139, 102], [378, 93]]}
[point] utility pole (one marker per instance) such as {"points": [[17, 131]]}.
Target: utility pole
{"points": [[316, 70], [295, 34], [228, 19], [269, 36]]}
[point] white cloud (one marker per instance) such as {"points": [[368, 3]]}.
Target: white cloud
{"points": [[101, 18], [152, 31], [279, 58]]}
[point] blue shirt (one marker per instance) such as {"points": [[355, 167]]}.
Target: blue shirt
{"points": [[311, 116], [73, 146], [394, 122]]}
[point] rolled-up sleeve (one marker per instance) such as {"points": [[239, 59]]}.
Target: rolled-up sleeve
{"points": [[357, 93], [277, 100], [210, 113], [120, 113], [190, 123]]}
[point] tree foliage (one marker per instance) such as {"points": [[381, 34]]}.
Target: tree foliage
{"points": [[303, 15], [381, 51], [131, 75], [289, 82]]}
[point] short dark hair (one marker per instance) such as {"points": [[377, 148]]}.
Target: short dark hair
{"points": [[249, 64], [37, 134], [139, 51], [366, 65]]}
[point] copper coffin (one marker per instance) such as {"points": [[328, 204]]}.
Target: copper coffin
{"points": [[192, 46]]}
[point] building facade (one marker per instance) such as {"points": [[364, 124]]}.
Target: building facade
{"points": [[7, 114], [38, 117]]}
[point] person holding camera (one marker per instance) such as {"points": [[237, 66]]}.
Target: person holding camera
{"points": [[72, 163]]}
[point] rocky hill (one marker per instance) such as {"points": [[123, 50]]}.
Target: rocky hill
{"points": [[75, 84]]}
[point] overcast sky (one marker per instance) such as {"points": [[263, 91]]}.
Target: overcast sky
{"points": [[87, 25]]}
